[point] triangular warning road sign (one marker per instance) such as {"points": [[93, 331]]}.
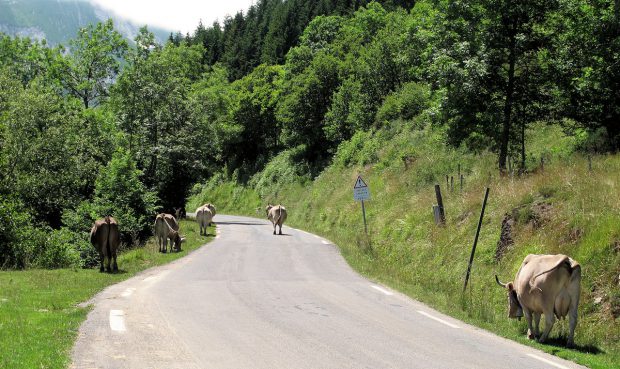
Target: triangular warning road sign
{"points": [[359, 183]]}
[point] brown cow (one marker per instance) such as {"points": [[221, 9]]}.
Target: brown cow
{"points": [[549, 285], [167, 228], [277, 215], [105, 236]]}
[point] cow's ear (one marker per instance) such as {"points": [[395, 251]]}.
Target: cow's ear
{"points": [[510, 286]]}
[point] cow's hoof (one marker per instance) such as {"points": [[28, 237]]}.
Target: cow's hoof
{"points": [[280, 233], [274, 232], [531, 336]]}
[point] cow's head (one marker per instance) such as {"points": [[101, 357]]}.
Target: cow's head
{"points": [[515, 311], [178, 240]]}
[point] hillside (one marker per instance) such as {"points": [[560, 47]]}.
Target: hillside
{"points": [[563, 208], [59, 21]]}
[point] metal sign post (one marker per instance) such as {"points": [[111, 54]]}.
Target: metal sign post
{"points": [[361, 192]]}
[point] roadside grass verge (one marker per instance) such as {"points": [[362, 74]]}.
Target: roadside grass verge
{"points": [[39, 316], [564, 208]]}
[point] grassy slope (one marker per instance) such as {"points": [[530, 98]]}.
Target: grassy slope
{"points": [[406, 251], [39, 317]]}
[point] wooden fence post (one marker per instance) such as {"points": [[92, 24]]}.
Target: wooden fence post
{"points": [[442, 211]]}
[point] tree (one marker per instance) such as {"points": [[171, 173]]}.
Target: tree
{"points": [[585, 61], [93, 62], [486, 57]]}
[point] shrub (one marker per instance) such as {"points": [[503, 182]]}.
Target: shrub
{"points": [[18, 237]]}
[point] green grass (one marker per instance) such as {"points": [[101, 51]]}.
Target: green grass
{"points": [[39, 316], [408, 252]]}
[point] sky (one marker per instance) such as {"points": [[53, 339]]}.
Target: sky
{"points": [[177, 15]]}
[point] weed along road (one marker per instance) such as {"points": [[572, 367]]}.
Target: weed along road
{"points": [[250, 299]]}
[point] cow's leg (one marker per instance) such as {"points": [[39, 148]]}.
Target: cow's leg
{"points": [[274, 228], [102, 259], [572, 322], [114, 264], [107, 263], [549, 321], [536, 324], [528, 318], [280, 229]]}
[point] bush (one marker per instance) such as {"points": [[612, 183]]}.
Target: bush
{"points": [[280, 171], [406, 103], [18, 237], [59, 249]]}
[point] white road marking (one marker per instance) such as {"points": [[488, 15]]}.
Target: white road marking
{"points": [[117, 321], [325, 242], [382, 290], [128, 292], [547, 361], [437, 319]]}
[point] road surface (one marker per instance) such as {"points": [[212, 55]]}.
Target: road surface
{"points": [[250, 299]]}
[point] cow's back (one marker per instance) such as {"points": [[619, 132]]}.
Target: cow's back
{"points": [[172, 222]]}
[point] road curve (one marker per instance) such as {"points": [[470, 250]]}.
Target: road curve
{"points": [[250, 299]]}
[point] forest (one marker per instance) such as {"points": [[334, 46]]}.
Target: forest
{"points": [[105, 126]]}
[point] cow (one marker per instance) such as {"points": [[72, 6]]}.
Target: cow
{"points": [[204, 215], [277, 215], [549, 285], [212, 208], [167, 228], [105, 237]]}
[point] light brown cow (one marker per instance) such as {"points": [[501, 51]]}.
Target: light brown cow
{"points": [[212, 208], [105, 236], [277, 215], [549, 285], [167, 228], [204, 215]]}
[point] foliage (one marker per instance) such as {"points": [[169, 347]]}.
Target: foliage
{"points": [[119, 193], [88, 70]]}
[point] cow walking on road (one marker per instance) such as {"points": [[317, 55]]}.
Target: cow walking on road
{"points": [[105, 237], [546, 285], [204, 216], [167, 228], [277, 215]]}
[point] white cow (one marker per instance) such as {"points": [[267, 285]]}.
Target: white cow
{"points": [[204, 216], [277, 215], [167, 228], [549, 285]]}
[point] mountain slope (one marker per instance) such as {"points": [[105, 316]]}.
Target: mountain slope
{"points": [[57, 21]]}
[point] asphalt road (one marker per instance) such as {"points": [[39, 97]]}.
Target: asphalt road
{"points": [[250, 299]]}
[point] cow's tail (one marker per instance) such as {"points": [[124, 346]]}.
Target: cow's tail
{"points": [[107, 241], [564, 261], [279, 214]]}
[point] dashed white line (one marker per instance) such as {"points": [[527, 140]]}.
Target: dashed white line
{"points": [[382, 290], [117, 321], [547, 361], [128, 292], [437, 319]]}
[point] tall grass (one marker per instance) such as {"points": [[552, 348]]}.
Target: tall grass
{"points": [[564, 208]]}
